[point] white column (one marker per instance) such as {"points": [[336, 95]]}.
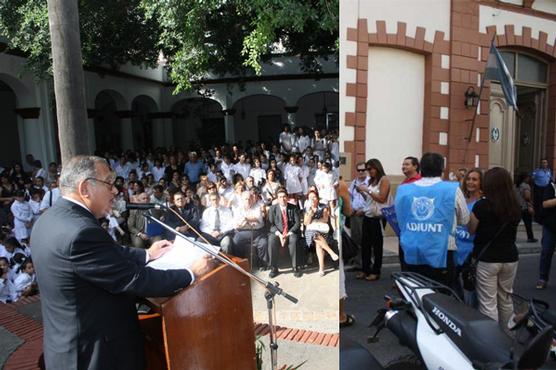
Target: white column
{"points": [[229, 128]]}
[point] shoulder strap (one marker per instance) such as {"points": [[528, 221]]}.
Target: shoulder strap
{"points": [[492, 240]]}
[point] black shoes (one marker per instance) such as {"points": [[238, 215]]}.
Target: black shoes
{"points": [[273, 272], [297, 272], [532, 240]]}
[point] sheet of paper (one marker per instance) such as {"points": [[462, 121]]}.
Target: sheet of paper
{"points": [[182, 255]]}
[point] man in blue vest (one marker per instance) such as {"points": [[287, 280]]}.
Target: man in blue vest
{"points": [[428, 212]]}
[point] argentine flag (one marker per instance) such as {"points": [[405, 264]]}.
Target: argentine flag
{"points": [[496, 69]]}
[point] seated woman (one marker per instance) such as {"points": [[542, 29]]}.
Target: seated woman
{"points": [[317, 229]]}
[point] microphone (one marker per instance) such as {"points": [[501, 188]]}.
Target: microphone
{"points": [[143, 206]]}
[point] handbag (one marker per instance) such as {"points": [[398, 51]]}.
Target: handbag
{"points": [[320, 227], [375, 208], [469, 268], [349, 247]]}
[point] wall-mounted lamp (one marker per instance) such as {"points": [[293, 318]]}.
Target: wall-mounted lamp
{"points": [[471, 98]]}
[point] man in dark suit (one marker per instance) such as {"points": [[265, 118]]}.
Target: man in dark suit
{"points": [[136, 224], [284, 230], [88, 283]]}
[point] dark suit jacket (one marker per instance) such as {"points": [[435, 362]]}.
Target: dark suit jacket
{"points": [[136, 222], [88, 285], [275, 218]]}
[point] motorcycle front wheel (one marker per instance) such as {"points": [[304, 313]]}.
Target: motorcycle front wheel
{"points": [[410, 362]]}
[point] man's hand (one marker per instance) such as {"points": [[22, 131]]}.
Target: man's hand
{"points": [[202, 266], [143, 236], [283, 239], [158, 249], [215, 234], [182, 229]]}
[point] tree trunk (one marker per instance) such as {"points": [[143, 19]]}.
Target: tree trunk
{"points": [[69, 87]]}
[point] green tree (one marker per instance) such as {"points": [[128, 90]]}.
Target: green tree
{"points": [[197, 37]]}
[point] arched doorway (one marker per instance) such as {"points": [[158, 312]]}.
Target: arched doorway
{"points": [[10, 150], [198, 121], [518, 140], [108, 129], [259, 118], [319, 110], [142, 125]]}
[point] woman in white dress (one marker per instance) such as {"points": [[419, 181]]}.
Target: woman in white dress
{"points": [[293, 176], [257, 172], [23, 216], [324, 180]]}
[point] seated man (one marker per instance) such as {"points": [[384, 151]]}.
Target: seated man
{"points": [[188, 211], [136, 224], [216, 224], [250, 229], [284, 230]]}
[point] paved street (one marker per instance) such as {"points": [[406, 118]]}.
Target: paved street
{"points": [[366, 297], [308, 330]]}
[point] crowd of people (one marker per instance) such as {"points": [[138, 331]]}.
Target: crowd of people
{"points": [[251, 200], [444, 226]]}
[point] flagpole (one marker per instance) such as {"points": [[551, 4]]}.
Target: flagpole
{"points": [[468, 138]]}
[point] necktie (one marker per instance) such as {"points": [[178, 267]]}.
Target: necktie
{"points": [[284, 222], [217, 221]]}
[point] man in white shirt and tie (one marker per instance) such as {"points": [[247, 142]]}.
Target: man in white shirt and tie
{"points": [[216, 224]]}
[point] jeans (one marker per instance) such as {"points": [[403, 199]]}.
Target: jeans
{"points": [[528, 221], [548, 241], [372, 243]]}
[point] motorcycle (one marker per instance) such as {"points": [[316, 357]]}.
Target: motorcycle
{"points": [[443, 333]]}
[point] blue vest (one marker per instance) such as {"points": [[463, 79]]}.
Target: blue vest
{"points": [[426, 218], [464, 240]]}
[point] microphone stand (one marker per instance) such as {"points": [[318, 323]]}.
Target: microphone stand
{"points": [[272, 289]]}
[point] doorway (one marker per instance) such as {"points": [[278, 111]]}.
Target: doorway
{"points": [[530, 120]]}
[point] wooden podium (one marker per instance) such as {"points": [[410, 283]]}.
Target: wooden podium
{"points": [[207, 326]]}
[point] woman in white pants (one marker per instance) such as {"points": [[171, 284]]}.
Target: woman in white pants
{"points": [[494, 221]]}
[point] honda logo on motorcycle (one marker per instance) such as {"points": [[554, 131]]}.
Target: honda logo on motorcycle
{"points": [[446, 320]]}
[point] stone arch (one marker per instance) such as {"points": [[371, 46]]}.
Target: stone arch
{"points": [[107, 121], [318, 110], [197, 121], [142, 107], [24, 97], [259, 117], [10, 143]]}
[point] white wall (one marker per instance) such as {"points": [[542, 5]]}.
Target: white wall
{"points": [[433, 15], [548, 6], [514, 2], [489, 16], [395, 107]]}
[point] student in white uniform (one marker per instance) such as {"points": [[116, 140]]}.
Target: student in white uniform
{"points": [[7, 289], [23, 216]]}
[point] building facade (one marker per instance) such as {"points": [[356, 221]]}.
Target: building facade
{"points": [[405, 69], [136, 108]]}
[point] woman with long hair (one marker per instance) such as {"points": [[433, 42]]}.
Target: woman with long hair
{"points": [[377, 195], [471, 188], [494, 221], [317, 229]]}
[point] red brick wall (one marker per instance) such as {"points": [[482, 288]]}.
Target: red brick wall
{"points": [[465, 69]]}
